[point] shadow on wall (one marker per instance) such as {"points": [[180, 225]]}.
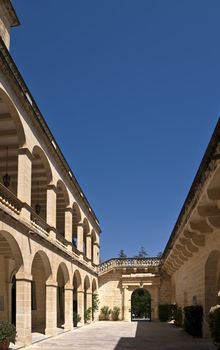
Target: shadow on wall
{"points": [[156, 335]]}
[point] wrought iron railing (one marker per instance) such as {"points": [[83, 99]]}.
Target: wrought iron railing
{"points": [[129, 262]]}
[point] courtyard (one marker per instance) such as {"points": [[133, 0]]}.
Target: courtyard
{"points": [[125, 335]]}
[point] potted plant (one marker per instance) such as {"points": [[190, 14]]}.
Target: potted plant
{"points": [[214, 324], [76, 318], [115, 313], [7, 334], [87, 315]]}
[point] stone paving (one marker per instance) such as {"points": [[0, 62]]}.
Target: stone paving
{"points": [[124, 335]]}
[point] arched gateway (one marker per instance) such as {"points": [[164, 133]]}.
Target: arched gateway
{"points": [[140, 305]]}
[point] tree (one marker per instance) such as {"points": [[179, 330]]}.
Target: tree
{"points": [[142, 253], [122, 254]]}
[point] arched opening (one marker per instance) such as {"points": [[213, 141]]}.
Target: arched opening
{"points": [[61, 204], [41, 271], [212, 280], [86, 293], [11, 262], [62, 279], [85, 232], [140, 305], [12, 138], [13, 300], [40, 178], [77, 284], [93, 241], [95, 299], [76, 217]]}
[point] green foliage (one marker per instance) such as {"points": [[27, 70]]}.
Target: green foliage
{"points": [[105, 313], [193, 316], [76, 318], [166, 312], [7, 332], [141, 304], [178, 317], [122, 254], [87, 315], [115, 313], [214, 324], [95, 303]]}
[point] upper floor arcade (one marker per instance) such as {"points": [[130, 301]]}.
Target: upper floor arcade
{"points": [[36, 184]]}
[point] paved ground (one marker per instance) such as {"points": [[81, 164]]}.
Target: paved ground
{"points": [[123, 335]]}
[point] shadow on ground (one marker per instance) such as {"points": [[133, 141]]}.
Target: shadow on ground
{"points": [[162, 336]]}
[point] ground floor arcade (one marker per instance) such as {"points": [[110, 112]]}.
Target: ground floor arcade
{"points": [[39, 286]]}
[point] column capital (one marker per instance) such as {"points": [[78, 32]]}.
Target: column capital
{"points": [[25, 151], [52, 187], [21, 276], [51, 284]]}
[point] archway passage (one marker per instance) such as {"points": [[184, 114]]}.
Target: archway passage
{"points": [[212, 280], [140, 305], [41, 270]]}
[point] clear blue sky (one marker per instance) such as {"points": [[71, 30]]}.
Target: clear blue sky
{"points": [[131, 92]]}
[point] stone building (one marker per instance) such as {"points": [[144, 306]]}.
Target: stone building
{"points": [[49, 234]]}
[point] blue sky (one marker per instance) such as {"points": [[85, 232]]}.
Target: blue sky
{"points": [[131, 91]]}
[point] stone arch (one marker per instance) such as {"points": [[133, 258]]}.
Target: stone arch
{"points": [[62, 202], [141, 305], [12, 138], [11, 109], [12, 263], [77, 280], [45, 261], [93, 242], [41, 271], [76, 218], [41, 177], [77, 287], [87, 293], [86, 230], [63, 278], [11, 250], [212, 273], [37, 151], [94, 285]]}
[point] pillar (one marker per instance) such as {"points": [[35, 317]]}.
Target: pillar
{"points": [[88, 246], [126, 305], [89, 302], [51, 209], [51, 309], [80, 305], [80, 237], [68, 325], [24, 179], [23, 309]]}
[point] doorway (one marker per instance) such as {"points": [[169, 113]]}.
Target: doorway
{"points": [[140, 305]]}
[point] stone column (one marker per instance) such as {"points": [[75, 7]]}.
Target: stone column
{"points": [[80, 237], [69, 227], [126, 305], [80, 305], [88, 246], [24, 179], [68, 325], [51, 308], [23, 309], [51, 209]]}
